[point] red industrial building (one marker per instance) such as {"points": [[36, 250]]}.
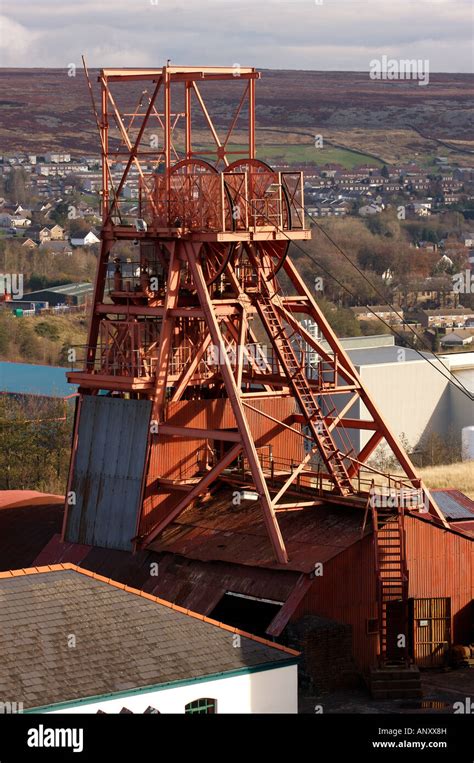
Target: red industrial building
{"points": [[212, 460], [219, 563]]}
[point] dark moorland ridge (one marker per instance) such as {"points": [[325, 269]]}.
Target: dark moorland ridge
{"points": [[46, 107]]}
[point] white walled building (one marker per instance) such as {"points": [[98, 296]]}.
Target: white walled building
{"points": [[58, 158], [88, 240], [73, 641], [414, 393]]}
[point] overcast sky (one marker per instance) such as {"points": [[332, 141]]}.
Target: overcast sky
{"points": [[283, 34]]}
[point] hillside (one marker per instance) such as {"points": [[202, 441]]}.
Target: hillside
{"points": [[389, 120], [41, 340]]}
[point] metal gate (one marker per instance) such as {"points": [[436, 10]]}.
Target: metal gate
{"points": [[431, 630]]}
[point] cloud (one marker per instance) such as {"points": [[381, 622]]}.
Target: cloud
{"points": [[16, 42], [285, 34]]}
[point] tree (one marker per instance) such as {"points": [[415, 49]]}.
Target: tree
{"points": [[16, 186], [371, 328], [78, 227], [47, 329], [34, 444], [341, 320], [60, 214]]}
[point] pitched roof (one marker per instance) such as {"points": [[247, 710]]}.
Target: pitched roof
{"points": [[68, 289], [125, 639], [448, 311]]}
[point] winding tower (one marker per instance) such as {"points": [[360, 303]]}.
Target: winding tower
{"points": [[201, 369]]}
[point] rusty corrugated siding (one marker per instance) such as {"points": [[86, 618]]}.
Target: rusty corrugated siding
{"points": [[178, 458], [346, 592], [440, 564], [108, 471], [217, 530]]}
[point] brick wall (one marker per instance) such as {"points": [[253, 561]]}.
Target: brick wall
{"points": [[326, 660]]}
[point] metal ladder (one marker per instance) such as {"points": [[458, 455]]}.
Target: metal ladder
{"points": [[391, 569], [332, 457]]}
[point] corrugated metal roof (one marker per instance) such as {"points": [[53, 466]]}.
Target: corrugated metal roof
{"points": [[465, 527], [29, 379], [454, 504], [217, 530], [108, 471], [68, 289]]}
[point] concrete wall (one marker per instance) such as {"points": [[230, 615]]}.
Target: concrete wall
{"points": [[267, 691]]}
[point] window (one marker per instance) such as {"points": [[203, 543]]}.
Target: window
{"points": [[372, 625], [202, 706], [246, 612]]}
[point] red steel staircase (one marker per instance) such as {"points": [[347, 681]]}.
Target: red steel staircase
{"points": [[395, 677], [331, 455], [392, 578]]}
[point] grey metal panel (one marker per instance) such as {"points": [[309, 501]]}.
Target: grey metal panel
{"points": [[381, 355], [452, 506], [108, 471]]}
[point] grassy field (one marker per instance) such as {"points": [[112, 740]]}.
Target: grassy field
{"points": [[302, 153], [459, 476], [293, 154]]}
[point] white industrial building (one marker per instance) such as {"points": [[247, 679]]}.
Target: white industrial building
{"points": [[414, 392]]}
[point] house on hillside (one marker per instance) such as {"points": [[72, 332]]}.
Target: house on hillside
{"points": [[371, 209], [22, 211], [444, 317], [28, 243], [57, 158], [381, 311], [89, 239], [57, 233], [420, 208], [455, 340], [44, 234], [20, 221]]}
